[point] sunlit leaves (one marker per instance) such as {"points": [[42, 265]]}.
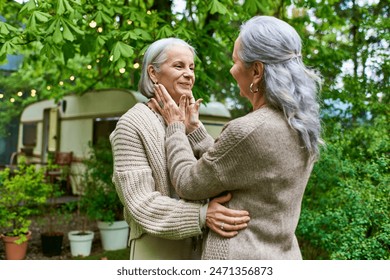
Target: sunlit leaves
{"points": [[216, 6], [121, 49]]}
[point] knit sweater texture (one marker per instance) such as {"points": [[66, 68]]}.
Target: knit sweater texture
{"points": [[259, 158], [151, 204]]}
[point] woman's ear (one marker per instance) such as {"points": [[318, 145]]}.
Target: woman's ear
{"points": [[258, 71], [152, 74]]}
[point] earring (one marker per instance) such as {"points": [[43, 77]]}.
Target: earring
{"points": [[251, 90]]}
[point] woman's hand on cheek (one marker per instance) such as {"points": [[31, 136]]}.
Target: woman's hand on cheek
{"points": [[192, 115], [167, 107]]}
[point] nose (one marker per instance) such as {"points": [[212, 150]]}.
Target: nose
{"points": [[188, 73]]}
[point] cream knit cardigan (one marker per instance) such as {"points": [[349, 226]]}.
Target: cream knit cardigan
{"points": [[142, 181], [260, 160]]}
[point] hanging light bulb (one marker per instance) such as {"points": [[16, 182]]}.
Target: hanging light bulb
{"points": [[92, 24]]}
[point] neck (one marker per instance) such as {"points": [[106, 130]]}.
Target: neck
{"points": [[258, 101]]}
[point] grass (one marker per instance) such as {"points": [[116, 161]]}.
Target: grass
{"points": [[108, 255]]}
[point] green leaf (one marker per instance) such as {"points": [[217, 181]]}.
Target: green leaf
{"points": [[29, 6], [5, 28], [73, 27], [121, 50], [126, 50], [121, 63], [165, 31], [7, 48], [217, 7], [67, 33], [41, 16], [60, 7], [57, 36], [69, 8]]}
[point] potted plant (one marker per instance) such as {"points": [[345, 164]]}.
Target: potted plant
{"points": [[22, 191], [101, 200], [81, 239]]}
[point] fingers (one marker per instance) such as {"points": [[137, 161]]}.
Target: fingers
{"points": [[225, 229], [223, 199], [183, 104]]}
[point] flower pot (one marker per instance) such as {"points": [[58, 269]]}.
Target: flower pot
{"points": [[80, 242], [14, 251], [113, 235], [52, 243]]}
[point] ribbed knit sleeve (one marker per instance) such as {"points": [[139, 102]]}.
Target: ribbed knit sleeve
{"points": [[142, 181], [189, 176], [200, 141]]}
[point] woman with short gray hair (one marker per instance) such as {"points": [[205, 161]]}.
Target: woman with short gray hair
{"points": [[162, 226], [264, 158]]}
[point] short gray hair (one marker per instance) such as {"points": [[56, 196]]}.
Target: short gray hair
{"points": [[156, 55], [289, 85]]}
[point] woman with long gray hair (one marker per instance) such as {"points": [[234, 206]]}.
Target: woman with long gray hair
{"points": [[264, 158], [162, 225]]}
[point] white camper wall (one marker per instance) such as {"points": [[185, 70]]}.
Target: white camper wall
{"points": [[75, 135]]}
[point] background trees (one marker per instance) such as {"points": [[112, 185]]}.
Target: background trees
{"points": [[70, 46]]}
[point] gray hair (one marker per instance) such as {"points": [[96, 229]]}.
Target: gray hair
{"points": [[155, 55], [288, 85]]}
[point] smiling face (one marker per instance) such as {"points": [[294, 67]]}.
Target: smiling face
{"points": [[177, 72]]}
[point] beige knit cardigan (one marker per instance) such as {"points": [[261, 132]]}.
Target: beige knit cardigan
{"points": [[142, 181], [261, 161]]}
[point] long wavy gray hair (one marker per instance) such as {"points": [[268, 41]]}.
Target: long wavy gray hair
{"points": [[288, 85], [156, 55]]}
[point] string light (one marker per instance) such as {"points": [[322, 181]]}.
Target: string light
{"points": [[122, 70], [92, 24], [136, 65], [20, 93], [89, 67], [129, 22], [149, 12], [48, 87], [1, 96], [61, 83], [12, 100], [71, 78], [100, 29]]}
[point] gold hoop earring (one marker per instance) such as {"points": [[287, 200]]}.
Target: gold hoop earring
{"points": [[251, 90]]}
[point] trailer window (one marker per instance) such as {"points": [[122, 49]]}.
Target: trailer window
{"points": [[29, 134], [102, 128]]}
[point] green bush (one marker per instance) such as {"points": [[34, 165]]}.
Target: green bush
{"points": [[346, 206]]}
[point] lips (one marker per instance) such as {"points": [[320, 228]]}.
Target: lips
{"points": [[186, 85]]}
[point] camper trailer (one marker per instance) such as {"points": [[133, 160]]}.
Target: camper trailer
{"points": [[71, 124]]}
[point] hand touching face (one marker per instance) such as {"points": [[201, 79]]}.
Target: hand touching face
{"points": [[176, 74]]}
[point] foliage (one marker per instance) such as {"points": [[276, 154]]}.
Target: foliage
{"points": [[21, 194], [346, 206], [71, 46], [55, 215], [100, 199]]}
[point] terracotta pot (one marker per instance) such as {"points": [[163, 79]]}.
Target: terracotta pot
{"points": [[14, 251]]}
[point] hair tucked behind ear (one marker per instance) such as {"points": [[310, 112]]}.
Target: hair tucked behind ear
{"points": [[289, 85], [156, 55]]}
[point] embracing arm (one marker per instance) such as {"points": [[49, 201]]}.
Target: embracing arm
{"points": [[192, 178], [146, 199]]}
